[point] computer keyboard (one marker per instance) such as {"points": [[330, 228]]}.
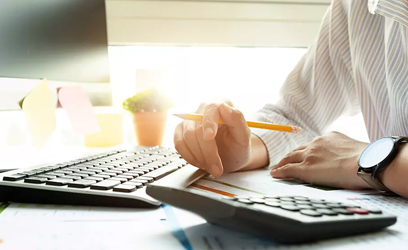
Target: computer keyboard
{"points": [[115, 178]]}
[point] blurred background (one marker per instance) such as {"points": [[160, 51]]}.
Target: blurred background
{"points": [[193, 50]]}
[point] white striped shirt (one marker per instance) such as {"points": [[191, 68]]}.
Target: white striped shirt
{"points": [[358, 63]]}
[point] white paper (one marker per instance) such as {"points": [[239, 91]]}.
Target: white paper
{"points": [[31, 226]]}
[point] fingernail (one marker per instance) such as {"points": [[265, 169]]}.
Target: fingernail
{"points": [[228, 109], [216, 170], [208, 132]]}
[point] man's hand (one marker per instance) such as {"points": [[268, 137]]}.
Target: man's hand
{"points": [[330, 160], [214, 147]]}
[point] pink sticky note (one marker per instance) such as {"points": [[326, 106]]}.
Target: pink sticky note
{"points": [[79, 110]]}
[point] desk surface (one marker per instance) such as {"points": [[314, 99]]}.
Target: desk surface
{"points": [[31, 226]]}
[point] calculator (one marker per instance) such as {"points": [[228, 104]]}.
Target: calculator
{"points": [[286, 218]]}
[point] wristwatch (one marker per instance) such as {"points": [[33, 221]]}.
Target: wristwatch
{"points": [[376, 157]]}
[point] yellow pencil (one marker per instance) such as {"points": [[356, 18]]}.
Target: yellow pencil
{"points": [[251, 124]]}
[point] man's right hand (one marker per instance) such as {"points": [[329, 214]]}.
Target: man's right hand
{"points": [[216, 148]]}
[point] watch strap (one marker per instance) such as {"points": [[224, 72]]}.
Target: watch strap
{"points": [[373, 182]]}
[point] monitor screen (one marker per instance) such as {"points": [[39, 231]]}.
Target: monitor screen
{"points": [[55, 39]]}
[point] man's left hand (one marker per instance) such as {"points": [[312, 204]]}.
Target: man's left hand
{"points": [[329, 160]]}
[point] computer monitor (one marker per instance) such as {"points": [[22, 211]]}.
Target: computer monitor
{"points": [[64, 41]]}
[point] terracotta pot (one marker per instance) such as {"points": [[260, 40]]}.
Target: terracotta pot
{"points": [[149, 127]]}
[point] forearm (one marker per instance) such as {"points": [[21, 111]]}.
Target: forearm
{"points": [[259, 154], [395, 176]]}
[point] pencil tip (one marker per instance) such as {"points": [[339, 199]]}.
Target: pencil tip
{"points": [[182, 116]]}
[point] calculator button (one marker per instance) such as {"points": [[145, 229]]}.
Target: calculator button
{"points": [[300, 198], [335, 205], [287, 203], [373, 210], [326, 211], [290, 207], [272, 203], [271, 200], [286, 199], [245, 201], [342, 211], [320, 206], [357, 210], [305, 206], [345, 205], [309, 212], [257, 200], [302, 202], [317, 201]]}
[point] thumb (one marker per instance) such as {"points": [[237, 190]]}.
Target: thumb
{"points": [[236, 123]]}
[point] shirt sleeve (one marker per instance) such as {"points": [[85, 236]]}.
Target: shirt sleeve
{"points": [[318, 90]]}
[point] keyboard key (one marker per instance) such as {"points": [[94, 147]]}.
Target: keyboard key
{"points": [[14, 177], [104, 176], [72, 177], [79, 175], [133, 175], [114, 171], [94, 178], [124, 188], [81, 183], [110, 174], [149, 179], [35, 180], [309, 212], [144, 182], [161, 172], [59, 182], [122, 180], [46, 176], [88, 172], [127, 177], [105, 185], [137, 185]]}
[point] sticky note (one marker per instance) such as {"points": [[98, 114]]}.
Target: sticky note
{"points": [[79, 110], [39, 111], [111, 133]]}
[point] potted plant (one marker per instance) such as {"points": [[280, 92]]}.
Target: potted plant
{"points": [[149, 109]]}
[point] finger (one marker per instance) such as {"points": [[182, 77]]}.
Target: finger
{"points": [[209, 150], [182, 147], [211, 116], [190, 138], [292, 157], [236, 123], [294, 170]]}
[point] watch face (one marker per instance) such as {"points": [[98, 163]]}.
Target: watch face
{"points": [[376, 152]]}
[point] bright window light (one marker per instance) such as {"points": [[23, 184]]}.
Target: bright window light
{"points": [[250, 77]]}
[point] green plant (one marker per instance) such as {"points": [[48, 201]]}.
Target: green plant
{"points": [[150, 100]]}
